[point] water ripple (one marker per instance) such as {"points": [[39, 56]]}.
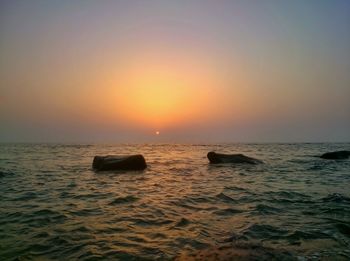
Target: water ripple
{"points": [[53, 206]]}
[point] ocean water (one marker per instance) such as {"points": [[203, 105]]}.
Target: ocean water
{"points": [[54, 206]]}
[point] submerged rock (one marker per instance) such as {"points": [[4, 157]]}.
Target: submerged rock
{"points": [[132, 162], [342, 154], [231, 158], [238, 251]]}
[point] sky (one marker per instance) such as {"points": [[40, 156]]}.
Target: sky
{"points": [[193, 71]]}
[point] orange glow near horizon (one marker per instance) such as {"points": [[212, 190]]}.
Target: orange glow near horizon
{"points": [[160, 94]]}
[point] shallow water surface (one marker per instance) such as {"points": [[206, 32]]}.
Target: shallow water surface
{"points": [[53, 206]]}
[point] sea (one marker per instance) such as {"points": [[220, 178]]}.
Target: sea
{"points": [[54, 206]]}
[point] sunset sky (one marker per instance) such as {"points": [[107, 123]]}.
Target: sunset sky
{"points": [[196, 71]]}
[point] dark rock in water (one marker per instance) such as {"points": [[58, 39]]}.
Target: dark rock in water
{"points": [[238, 251], [342, 154], [231, 158], [132, 162]]}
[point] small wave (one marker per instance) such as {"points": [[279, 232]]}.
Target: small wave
{"points": [[110, 255], [41, 235], [63, 146], [235, 188], [90, 195], [234, 237], [81, 229], [287, 194], [310, 212], [266, 209], [227, 212], [123, 200], [237, 251], [225, 197], [137, 239], [343, 228], [198, 208], [87, 212], [258, 231], [45, 212], [195, 203], [40, 249], [183, 222], [58, 241], [157, 236], [26, 196], [306, 235], [196, 244], [287, 197], [340, 211], [4, 173], [337, 198], [44, 217], [72, 185], [195, 199], [150, 222]]}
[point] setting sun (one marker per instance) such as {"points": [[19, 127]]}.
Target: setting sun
{"points": [[157, 132]]}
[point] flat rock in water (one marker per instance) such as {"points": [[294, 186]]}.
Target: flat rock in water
{"points": [[216, 158], [131, 162], [342, 154]]}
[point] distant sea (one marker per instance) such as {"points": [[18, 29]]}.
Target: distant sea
{"points": [[54, 206]]}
